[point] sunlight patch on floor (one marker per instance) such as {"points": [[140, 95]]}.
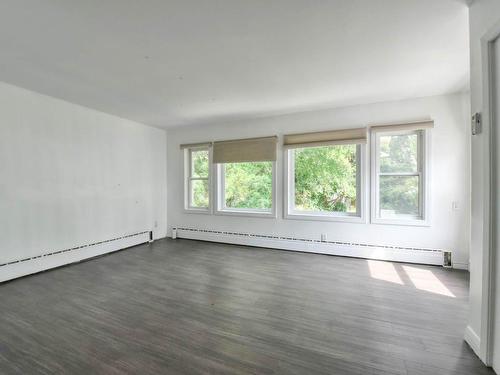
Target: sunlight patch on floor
{"points": [[384, 271], [427, 281]]}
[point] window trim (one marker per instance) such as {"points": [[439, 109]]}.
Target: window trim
{"points": [[423, 219], [188, 180], [221, 209], [289, 192]]}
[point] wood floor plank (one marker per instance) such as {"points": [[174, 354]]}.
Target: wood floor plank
{"points": [[189, 307]]}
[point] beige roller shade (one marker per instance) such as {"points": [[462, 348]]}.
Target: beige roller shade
{"points": [[403, 127], [245, 150], [346, 136], [195, 145]]}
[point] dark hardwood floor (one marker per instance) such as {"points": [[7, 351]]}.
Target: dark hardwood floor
{"points": [[188, 307]]}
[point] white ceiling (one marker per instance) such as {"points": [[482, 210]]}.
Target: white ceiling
{"points": [[180, 62]]}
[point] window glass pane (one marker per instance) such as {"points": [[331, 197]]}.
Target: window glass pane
{"points": [[399, 196], [249, 185], [399, 153], [325, 178], [199, 166], [199, 193]]}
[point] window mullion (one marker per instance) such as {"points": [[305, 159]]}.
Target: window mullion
{"points": [[291, 181], [190, 163]]}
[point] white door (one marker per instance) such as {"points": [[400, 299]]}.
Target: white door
{"points": [[496, 186]]}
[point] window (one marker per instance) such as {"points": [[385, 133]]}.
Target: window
{"points": [[246, 187], [399, 178], [324, 182], [246, 176], [197, 184]]}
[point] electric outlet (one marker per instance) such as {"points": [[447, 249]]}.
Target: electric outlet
{"points": [[156, 224], [323, 237]]}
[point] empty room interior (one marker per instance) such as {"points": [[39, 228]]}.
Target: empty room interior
{"points": [[250, 187]]}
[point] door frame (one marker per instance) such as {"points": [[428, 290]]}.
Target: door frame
{"points": [[490, 198]]}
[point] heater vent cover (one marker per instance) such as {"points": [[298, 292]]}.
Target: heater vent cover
{"points": [[51, 253]]}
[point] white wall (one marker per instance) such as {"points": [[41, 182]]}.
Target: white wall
{"points": [[450, 174], [483, 14], [70, 175]]}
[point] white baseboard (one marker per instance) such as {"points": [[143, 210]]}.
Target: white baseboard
{"points": [[461, 266], [473, 340], [25, 267], [407, 255]]}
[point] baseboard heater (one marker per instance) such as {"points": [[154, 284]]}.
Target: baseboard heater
{"points": [[51, 259], [350, 249]]}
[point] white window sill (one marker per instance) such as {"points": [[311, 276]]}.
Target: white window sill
{"points": [[402, 222], [245, 213], [204, 211], [311, 216]]}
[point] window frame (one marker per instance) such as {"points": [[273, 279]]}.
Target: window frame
{"points": [[289, 191], [220, 205], [423, 171], [188, 165]]}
